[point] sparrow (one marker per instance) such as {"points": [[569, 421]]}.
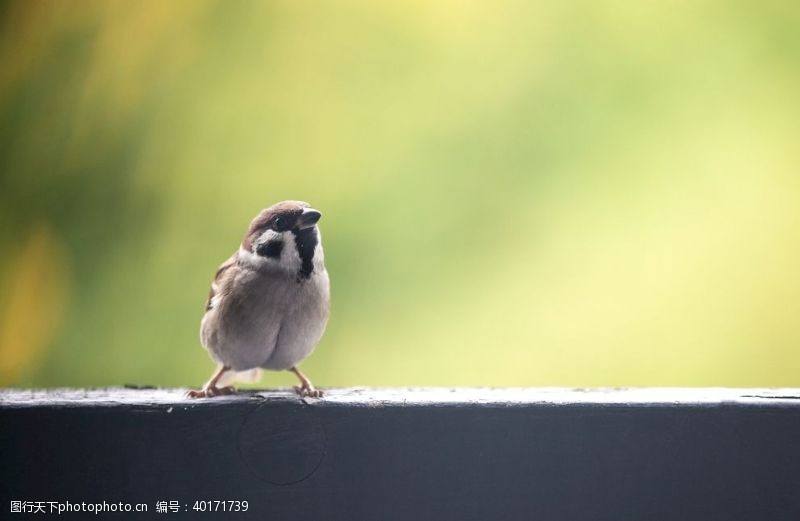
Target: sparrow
{"points": [[269, 302]]}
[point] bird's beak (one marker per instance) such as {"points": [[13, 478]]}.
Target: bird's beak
{"points": [[308, 218]]}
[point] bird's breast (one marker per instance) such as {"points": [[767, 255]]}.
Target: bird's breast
{"points": [[271, 320]]}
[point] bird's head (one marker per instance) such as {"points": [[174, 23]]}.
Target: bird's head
{"points": [[286, 234]]}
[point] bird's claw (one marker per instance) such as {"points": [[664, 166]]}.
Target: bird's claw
{"points": [[308, 391], [209, 392]]}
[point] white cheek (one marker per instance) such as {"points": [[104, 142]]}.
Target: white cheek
{"points": [[250, 259], [289, 259], [319, 256], [267, 236]]}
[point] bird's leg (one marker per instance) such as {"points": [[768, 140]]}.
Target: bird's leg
{"points": [[306, 388], [210, 389]]}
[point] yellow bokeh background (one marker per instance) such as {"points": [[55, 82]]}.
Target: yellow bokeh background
{"points": [[514, 193]]}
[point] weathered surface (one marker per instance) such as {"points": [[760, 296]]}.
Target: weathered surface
{"points": [[461, 454]]}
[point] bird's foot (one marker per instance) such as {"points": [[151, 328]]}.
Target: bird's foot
{"points": [[209, 391], [307, 390]]}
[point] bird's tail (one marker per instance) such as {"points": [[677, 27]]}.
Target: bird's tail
{"points": [[249, 376]]}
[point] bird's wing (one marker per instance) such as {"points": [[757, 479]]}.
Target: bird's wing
{"points": [[222, 281]]}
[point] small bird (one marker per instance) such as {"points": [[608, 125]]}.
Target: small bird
{"points": [[269, 302]]}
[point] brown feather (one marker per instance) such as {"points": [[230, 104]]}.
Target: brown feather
{"points": [[222, 278]]}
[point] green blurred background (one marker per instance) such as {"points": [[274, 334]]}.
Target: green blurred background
{"points": [[514, 193]]}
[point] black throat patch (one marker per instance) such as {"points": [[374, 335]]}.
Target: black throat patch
{"points": [[306, 242]]}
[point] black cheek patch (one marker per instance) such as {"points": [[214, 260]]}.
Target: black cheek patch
{"points": [[271, 249]]}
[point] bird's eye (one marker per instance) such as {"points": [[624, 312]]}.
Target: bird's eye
{"points": [[280, 223]]}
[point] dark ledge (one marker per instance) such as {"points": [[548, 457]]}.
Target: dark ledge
{"points": [[376, 454]]}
